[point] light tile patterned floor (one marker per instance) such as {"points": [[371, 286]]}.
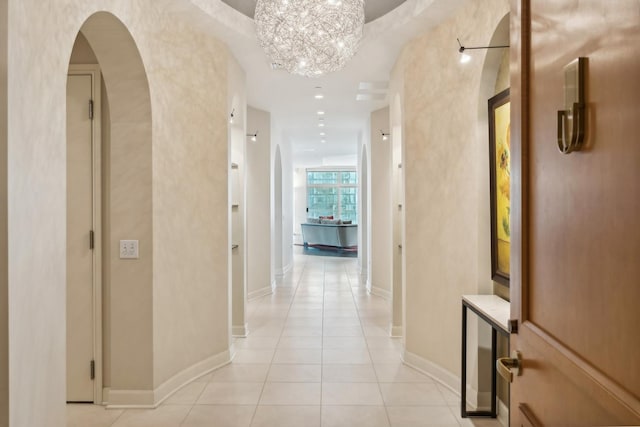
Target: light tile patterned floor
{"points": [[318, 355]]}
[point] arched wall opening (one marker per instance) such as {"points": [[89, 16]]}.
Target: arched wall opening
{"points": [[363, 248], [237, 190], [124, 354], [277, 214], [494, 79], [397, 216]]}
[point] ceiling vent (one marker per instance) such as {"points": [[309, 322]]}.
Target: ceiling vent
{"points": [[372, 91]]}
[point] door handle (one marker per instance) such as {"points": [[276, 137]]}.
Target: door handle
{"points": [[506, 366]]}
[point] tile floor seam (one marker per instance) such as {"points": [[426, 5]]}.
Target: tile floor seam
{"points": [[324, 290], [264, 384], [116, 419], [328, 296], [195, 402], [384, 403]]}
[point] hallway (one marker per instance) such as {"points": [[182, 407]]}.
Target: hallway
{"points": [[318, 354]]}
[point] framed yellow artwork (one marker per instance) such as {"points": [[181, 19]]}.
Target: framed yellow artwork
{"points": [[500, 182]]}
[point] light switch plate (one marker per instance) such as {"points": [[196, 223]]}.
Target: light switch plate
{"points": [[129, 249]]}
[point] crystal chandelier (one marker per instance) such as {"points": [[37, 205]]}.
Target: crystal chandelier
{"points": [[310, 37]]}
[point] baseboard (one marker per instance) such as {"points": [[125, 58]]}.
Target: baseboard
{"points": [[368, 285], [287, 268], [129, 399], [363, 278], [438, 373], [281, 272], [503, 413], [382, 293], [478, 399], [145, 399], [364, 272], [240, 331], [267, 290], [396, 331], [444, 377]]}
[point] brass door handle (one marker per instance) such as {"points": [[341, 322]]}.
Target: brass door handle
{"points": [[506, 366]]}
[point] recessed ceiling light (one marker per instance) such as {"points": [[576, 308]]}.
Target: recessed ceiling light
{"points": [[321, 113], [319, 96], [321, 124]]}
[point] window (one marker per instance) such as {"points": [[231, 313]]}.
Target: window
{"points": [[333, 192]]}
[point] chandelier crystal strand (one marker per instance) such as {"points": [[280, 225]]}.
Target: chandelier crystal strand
{"points": [[310, 37]]}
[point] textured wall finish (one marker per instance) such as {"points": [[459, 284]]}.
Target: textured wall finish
{"points": [[4, 301], [188, 79], [443, 152], [129, 192], [381, 221], [259, 275], [170, 308]]}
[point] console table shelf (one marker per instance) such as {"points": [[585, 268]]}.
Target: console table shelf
{"points": [[496, 312]]}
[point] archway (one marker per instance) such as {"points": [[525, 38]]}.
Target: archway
{"points": [[494, 79], [397, 220], [123, 353], [363, 248], [277, 214], [237, 219]]}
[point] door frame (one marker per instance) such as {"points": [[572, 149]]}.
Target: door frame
{"points": [[96, 181]]}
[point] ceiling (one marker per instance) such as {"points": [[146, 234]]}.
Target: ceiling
{"points": [[373, 9], [290, 98]]}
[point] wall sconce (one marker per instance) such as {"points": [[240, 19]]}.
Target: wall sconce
{"points": [[254, 136], [231, 116], [571, 138], [385, 136], [464, 58]]}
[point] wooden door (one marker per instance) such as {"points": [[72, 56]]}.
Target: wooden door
{"points": [[576, 218], [80, 260]]}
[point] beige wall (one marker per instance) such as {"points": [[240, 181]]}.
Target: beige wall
{"points": [[259, 274], [236, 103], [170, 307], [238, 229], [4, 304], [381, 220], [190, 184], [444, 152], [129, 204]]}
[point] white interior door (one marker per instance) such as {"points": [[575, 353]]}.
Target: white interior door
{"points": [[80, 260]]}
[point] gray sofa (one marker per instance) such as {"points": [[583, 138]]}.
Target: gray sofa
{"points": [[336, 235]]}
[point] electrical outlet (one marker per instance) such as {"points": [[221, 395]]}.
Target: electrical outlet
{"points": [[129, 249]]}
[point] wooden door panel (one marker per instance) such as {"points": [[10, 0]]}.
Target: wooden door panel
{"points": [[561, 390], [79, 254], [575, 271]]}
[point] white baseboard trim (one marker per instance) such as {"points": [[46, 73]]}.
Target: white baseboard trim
{"points": [[281, 272], [240, 331], [478, 399], [129, 399], [364, 278], [382, 293], [145, 399], [438, 373], [267, 290], [503, 413], [444, 377], [368, 285], [396, 331]]}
